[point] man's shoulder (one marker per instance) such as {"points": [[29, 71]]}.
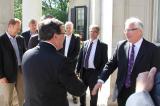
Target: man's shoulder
{"points": [[25, 33], [148, 43], [102, 43], [122, 42], [140, 99], [34, 36], [3, 35]]}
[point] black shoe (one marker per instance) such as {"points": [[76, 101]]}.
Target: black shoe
{"points": [[75, 101]]}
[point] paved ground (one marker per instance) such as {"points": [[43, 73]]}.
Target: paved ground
{"points": [[102, 97]]}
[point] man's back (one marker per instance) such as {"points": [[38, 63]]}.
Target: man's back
{"points": [[47, 78]]}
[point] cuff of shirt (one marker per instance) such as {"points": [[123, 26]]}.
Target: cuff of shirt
{"points": [[101, 81]]}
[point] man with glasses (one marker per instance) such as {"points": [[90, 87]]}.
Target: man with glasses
{"points": [[93, 56], [47, 74], [131, 57]]}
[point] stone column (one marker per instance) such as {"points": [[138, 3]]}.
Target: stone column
{"points": [[107, 37], [95, 12], [31, 9], [6, 13]]}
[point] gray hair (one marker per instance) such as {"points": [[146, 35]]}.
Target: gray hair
{"points": [[69, 23], [137, 22]]}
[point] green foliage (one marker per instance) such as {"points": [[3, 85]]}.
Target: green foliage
{"points": [[56, 8], [18, 9]]}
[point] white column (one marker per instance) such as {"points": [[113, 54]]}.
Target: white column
{"points": [[95, 12], [31, 9], [106, 17], [6, 13]]}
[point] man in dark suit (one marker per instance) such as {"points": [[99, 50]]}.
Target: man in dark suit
{"points": [[93, 56], [71, 47], [131, 57], [32, 31], [47, 73], [12, 47], [34, 40]]}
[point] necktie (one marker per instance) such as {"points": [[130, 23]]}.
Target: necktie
{"points": [[87, 55], [130, 67]]}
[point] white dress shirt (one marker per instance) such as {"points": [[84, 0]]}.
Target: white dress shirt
{"points": [[67, 43], [92, 53], [136, 48], [15, 47]]}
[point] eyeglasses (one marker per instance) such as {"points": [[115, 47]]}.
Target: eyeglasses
{"points": [[94, 31], [129, 30], [61, 33]]}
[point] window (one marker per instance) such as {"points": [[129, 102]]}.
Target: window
{"points": [[79, 18]]}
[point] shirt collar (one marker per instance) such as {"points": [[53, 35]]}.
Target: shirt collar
{"points": [[9, 36], [94, 41], [138, 43], [68, 36]]}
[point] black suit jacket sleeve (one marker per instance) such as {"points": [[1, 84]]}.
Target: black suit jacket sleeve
{"points": [[104, 57], [1, 64], [70, 80], [110, 66], [80, 59]]}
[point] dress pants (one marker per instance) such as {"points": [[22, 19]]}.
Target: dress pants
{"points": [[7, 90], [123, 95], [89, 77]]}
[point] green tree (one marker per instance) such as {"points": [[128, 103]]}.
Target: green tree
{"points": [[57, 8], [18, 9]]}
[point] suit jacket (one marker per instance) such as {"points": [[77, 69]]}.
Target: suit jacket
{"points": [[26, 36], [140, 99], [73, 50], [74, 47], [48, 77], [8, 59], [101, 56], [146, 58], [33, 41]]}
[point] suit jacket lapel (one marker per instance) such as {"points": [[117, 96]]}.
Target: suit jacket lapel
{"points": [[140, 54], [71, 44], [9, 45], [126, 56], [97, 52]]}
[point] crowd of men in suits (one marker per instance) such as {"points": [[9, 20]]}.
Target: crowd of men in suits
{"points": [[46, 62]]}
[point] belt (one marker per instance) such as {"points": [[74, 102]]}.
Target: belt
{"points": [[89, 69]]}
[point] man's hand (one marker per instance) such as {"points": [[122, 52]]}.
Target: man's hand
{"points": [[96, 87], [145, 80], [3, 80]]}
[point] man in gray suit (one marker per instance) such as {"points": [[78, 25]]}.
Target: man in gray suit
{"points": [[145, 83]]}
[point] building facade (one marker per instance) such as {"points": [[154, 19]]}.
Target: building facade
{"points": [[110, 15]]}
